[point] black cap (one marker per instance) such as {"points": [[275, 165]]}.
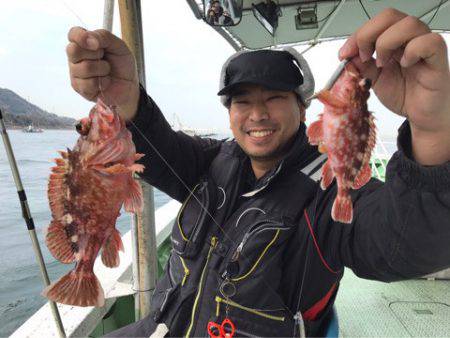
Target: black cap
{"points": [[273, 69]]}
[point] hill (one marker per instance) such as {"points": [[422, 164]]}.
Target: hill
{"points": [[18, 112]]}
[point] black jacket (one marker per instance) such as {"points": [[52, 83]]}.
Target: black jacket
{"points": [[269, 244]]}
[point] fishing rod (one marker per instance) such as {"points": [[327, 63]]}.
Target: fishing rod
{"points": [[26, 214]]}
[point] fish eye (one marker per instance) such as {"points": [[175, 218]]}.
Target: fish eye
{"points": [[83, 126]]}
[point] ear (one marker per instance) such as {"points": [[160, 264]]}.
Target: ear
{"points": [[301, 109], [302, 113]]}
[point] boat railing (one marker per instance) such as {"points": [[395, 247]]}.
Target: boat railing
{"points": [[81, 321], [380, 156]]}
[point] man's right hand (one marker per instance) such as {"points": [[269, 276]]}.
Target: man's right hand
{"points": [[101, 64]]}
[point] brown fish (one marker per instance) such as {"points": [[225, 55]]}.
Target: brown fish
{"points": [[346, 132], [86, 190]]}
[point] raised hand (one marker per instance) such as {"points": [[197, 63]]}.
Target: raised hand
{"points": [[101, 64], [410, 77]]}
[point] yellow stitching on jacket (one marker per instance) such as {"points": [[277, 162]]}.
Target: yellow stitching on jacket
{"points": [[239, 306], [200, 285], [259, 259], [181, 211]]}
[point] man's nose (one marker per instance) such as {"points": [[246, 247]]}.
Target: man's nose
{"points": [[259, 112]]}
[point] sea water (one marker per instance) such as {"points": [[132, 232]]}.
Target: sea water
{"points": [[20, 279]]}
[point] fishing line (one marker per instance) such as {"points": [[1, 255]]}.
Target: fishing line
{"points": [[364, 9], [306, 262], [179, 178], [437, 10]]}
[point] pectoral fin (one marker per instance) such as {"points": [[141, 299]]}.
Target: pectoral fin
{"points": [[134, 201], [110, 250]]}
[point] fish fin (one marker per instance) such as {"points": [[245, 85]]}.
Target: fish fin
{"points": [[63, 154], [59, 245], [139, 168], [363, 177], [111, 152], [315, 132], [342, 210], [134, 202], [118, 168], [327, 175], [56, 202], [110, 250], [57, 187], [138, 156], [327, 98], [372, 137], [76, 288]]}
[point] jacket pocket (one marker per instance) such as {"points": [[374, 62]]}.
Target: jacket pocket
{"points": [[167, 290], [255, 249], [169, 296], [193, 220], [263, 314], [254, 322]]}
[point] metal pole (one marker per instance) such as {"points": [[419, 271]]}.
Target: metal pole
{"points": [[145, 266], [108, 14], [26, 214]]}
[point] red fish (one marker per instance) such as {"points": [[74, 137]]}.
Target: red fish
{"points": [[86, 190], [346, 132]]}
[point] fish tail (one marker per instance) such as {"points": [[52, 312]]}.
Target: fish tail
{"points": [[78, 287], [342, 210], [110, 250]]}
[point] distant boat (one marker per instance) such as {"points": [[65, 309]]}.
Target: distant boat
{"points": [[178, 126], [32, 129]]}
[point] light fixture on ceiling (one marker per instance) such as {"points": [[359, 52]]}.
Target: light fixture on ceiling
{"points": [[267, 13], [306, 17]]}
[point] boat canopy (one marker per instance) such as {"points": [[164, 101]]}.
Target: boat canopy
{"points": [[311, 22]]}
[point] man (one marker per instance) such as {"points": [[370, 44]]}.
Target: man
{"points": [[254, 240]]}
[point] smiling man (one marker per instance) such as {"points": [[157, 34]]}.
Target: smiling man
{"points": [[254, 241], [265, 111]]}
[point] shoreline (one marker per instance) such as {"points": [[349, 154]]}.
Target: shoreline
{"points": [[43, 128]]}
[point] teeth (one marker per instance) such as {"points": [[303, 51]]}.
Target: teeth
{"points": [[260, 133]]}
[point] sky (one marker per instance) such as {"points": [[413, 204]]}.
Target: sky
{"points": [[183, 59]]}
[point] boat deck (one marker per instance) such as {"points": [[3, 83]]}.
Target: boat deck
{"points": [[414, 308]]}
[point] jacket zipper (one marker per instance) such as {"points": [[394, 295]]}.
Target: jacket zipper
{"points": [[236, 279], [200, 285], [253, 231], [244, 308], [186, 271]]}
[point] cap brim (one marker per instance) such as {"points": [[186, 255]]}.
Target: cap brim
{"points": [[270, 85]]}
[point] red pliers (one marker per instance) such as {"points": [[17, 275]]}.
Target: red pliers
{"points": [[225, 330]]}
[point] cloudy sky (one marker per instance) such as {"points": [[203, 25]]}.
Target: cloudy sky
{"points": [[183, 59]]}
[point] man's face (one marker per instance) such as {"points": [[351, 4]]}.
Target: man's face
{"points": [[263, 121]]}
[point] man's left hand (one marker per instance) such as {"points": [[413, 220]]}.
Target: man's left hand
{"points": [[410, 75]]}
